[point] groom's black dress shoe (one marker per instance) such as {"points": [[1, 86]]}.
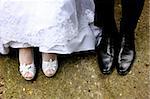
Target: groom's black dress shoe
{"points": [[126, 55], [105, 52]]}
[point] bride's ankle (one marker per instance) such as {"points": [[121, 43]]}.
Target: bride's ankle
{"points": [[26, 56], [48, 56]]}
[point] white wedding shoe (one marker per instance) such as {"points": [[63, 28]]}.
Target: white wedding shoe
{"points": [[27, 71], [50, 67]]}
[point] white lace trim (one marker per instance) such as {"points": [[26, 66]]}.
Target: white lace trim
{"points": [[64, 29]]}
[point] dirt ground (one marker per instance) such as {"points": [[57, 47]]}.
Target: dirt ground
{"points": [[79, 77]]}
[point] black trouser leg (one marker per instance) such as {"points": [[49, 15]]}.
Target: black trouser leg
{"points": [[131, 11], [104, 15]]}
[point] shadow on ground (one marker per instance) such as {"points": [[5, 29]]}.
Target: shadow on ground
{"points": [[79, 77]]}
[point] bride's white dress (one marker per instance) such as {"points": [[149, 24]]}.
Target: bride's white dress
{"points": [[55, 26]]}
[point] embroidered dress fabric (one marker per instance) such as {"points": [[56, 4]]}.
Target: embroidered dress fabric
{"points": [[55, 26]]}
